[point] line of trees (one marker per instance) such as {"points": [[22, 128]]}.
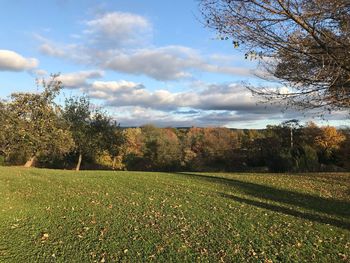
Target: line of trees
{"points": [[38, 132]]}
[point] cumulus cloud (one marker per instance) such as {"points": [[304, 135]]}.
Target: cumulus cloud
{"points": [[79, 79], [229, 104], [214, 97], [125, 93], [12, 61], [117, 41], [231, 97], [167, 63], [118, 29], [72, 52], [225, 102], [162, 63], [106, 90], [138, 116]]}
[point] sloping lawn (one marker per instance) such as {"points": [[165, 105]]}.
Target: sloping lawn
{"points": [[65, 216]]}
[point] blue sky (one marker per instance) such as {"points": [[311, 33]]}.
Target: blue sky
{"points": [[144, 61]]}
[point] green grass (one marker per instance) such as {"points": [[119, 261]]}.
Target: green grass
{"points": [[64, 216]]}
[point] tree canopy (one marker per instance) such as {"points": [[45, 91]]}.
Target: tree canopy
{"points": [[93, 131], [31, 123], [305, 44]]}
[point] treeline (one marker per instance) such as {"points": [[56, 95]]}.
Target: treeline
{"points": [[35, 131]]}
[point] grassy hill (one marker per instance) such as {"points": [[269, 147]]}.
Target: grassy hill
{"points": [[64, 216]]}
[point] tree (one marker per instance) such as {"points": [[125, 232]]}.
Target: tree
{"points": [[169, 150], [292, 126], [344, 151], [328, 142], [32, 123], [161, 148], [305, 44], [209, 148], [132, 147], [193, 148], [329, 139], [3, 120], [77, 115], [115, 140], [93, 131], [106, 135]]}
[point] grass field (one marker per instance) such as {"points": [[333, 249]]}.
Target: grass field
{"points": [[64, 216]]}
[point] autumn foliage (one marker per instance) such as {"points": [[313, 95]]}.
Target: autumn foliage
{"points": [[37, 132]]}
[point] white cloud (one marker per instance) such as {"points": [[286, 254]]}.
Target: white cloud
{"points": [[105, 90], [72, 52], [51, 50], [39, 72], [206, 104], [166, 63], [12, 61], [212, 97], [162, 63], [118, 29], [118, 41], [138, 116], [79, 79], [125, 93]]}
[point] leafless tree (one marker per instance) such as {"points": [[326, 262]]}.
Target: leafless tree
{"points": [[304, 44]]}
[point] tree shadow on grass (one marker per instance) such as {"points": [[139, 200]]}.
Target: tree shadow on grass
{"points": [[268, 193], [292, 212]]}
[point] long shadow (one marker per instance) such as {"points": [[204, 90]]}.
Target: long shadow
{"points": [[289, 211], [311, 202]]}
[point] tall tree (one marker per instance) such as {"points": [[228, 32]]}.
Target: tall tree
{"points": [[78, 116], [91, 129], [32, 123], [304, 43], [292, 126]]}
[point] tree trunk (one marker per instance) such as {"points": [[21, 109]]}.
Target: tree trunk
{"points": [[77, 168], [30, 162], [114, 162]]}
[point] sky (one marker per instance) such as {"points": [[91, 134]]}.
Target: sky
{"points": [[145, 62]]}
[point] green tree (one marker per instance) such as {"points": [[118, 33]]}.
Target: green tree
{"points": [[93, 131], [77, 114], [33, 124]]}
